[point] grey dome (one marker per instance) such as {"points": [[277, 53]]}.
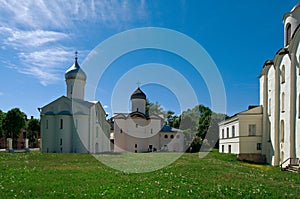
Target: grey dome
{"points": [[138, 94], [75, 72]]}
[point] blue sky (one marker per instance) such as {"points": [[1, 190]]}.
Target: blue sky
{"points": [[39, 38]]}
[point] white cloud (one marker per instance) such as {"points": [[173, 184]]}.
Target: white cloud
{"points": [[105, 106], [46, 65], [40, 31], [50, 57], [34, 14], [40, 14], [44, 76], [33, 38]]}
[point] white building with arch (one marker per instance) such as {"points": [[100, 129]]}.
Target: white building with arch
{"points": [[70, 124], [280, 102]]}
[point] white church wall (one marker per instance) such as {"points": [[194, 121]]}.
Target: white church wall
{"points": [[293, 19], [285, 106], [297, 136], [261, 90], [92, 129], [65, 133], [81, 144], [99, 138], [271, 110], [47, 123]]}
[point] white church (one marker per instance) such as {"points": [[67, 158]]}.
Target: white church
{"points": [[139, 132], [70, 124], [270, 132]]}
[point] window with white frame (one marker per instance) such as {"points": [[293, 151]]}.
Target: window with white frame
{"points": [[252, 129], [227, 132], [258, 146]]}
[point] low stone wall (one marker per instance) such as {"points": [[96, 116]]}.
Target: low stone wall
{"points": [[252, 157]]}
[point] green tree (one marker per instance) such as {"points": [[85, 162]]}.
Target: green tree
{"points": [[204, 120], [155, 108], [188, 121], [33, 130], [2, 116], [176, 121], [213, 131], [13, 122], [195, 145], [196, 122], [172, 120]]}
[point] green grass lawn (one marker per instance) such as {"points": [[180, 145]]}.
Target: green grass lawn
{"points": [[41, 175]]}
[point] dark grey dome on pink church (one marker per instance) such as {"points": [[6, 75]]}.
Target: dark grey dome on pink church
{"points": [[138, 94]]}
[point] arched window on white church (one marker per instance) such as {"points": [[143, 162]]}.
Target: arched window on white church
{"points": [[282, 102], [282, 74], [61, 126], [288, 35], [282, 131]]}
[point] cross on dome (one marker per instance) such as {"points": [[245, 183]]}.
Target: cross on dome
{"points": [[76, 53]]}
